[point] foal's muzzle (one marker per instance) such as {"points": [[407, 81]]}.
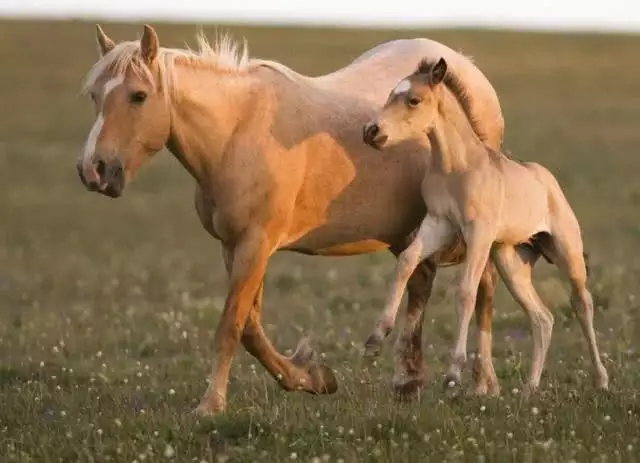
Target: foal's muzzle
{"points": [[105, 177], [372, 136]]}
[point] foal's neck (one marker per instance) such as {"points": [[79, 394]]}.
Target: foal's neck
{"points": [[455, 147]]}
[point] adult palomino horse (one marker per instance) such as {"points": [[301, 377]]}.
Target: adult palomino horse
{"points": [[279, 164], [494, 202]]}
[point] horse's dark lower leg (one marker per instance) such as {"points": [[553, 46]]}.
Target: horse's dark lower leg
{"points": [[409, 372]]}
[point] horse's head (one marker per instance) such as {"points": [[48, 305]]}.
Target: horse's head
{"points": [[133, 120], [411, 107]]}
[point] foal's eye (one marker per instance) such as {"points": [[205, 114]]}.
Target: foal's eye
{"points": [[414, 101], [138, 97], [93, 96]]}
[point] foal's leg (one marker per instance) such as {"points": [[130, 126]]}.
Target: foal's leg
{"points": [[515, 266], [484, 374], [479, 243], [298, 372], [432, 235], [570, 259]]}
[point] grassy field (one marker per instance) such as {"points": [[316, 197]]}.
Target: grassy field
{"points": [[108, 308]]}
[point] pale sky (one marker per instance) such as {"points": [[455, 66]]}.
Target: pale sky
{"points": [[621, 15]]}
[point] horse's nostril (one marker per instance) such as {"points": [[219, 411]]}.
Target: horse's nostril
{"points": [[101, 168], [373, 130], [370, 132]]}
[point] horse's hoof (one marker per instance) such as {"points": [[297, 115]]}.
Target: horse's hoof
{"points": [[211, 404], [406, 390], [485, 388], [206, 411], [323, 381]]}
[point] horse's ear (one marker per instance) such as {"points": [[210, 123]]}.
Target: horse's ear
{"points": [[105, 44], [149, 44], [438, 72]]}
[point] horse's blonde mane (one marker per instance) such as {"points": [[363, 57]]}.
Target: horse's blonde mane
{"points": [[224, 55], [462, 95]]}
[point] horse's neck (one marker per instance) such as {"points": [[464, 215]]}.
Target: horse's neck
{"points": [[206, 110], [455, 145]]}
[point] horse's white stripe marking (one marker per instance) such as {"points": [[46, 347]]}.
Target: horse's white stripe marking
{"points": [[90, 146], [402, 87], [92, 140], [113, 83]]}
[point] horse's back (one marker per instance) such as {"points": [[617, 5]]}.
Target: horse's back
{"points": [[376, 72]]}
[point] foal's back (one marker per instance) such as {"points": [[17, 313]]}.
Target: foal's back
{"points": [[531, 199]]}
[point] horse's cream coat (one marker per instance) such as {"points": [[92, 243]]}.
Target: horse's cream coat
{"points": [[279, 163]]}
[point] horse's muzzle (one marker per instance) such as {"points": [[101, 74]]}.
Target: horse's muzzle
{"points": [[372, 136], [105, 177]]}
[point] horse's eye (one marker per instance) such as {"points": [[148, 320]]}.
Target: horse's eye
{"points": [[138, 97], [93, 96], [414, 101]]}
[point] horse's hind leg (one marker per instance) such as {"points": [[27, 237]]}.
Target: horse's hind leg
{"points": [[408, 376], [515, 267], [570, 259]]}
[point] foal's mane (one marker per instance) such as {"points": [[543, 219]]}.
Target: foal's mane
{"points": [[224, 55], [461, 94]]}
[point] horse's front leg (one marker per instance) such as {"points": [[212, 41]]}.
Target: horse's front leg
{"points": [[251, 254], [301, 371]]}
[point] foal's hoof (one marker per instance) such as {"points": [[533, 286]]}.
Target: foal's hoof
{"points": [[323, 381], [206, 410], [529, 390], [452, 387], [407, 389]]}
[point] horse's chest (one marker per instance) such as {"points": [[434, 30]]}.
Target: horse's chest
{"points": [[440, 196]]}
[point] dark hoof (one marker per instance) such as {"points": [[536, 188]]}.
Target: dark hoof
{"points": [[407, 390], [323, 380]]}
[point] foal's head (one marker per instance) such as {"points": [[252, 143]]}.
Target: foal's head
{"points": [[132, 112], [411, 109]]}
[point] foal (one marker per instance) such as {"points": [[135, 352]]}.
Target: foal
{"points": [[493, 202]]}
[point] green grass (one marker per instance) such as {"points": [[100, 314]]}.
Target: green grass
{"points": [[108, 308]]}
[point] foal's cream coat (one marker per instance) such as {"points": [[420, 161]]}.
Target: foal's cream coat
{"points": [[495, 203], [279, 164]]}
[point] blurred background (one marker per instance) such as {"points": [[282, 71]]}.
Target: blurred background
{"points": [[109, 307]]}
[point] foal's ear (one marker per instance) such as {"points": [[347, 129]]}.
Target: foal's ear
{"points": [[105, 44], [149, 44], [438, 72]]}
